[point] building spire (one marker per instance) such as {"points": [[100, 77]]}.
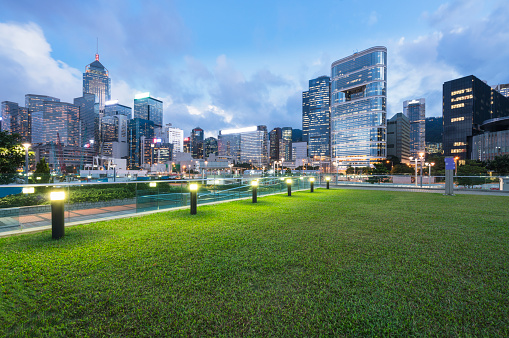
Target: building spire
{"points": [[97, 54]]}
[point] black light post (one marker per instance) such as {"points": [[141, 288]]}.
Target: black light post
{"points": [[289, 185], [57, 214], [194, 197], [254, 187], [312, 183], [327, 179]]}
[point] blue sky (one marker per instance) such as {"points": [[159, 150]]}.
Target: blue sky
{"points": [[225, 64]]}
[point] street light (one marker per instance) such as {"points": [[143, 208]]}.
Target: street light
{"points": [[193, 188], [57, 214], [421, 158], [456, 165], [327, 179], [411, 158], [429, 171], [312, 183], [26, 146], [289, 185], [254, 186]]}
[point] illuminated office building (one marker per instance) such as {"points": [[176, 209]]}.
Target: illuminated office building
{"points": [[148, 108], [61, 123], [90, 118], [114, 132], [209, 146], [245, 145], [140, 135], [415, 110], [358, 108], [8, 109], [503, 89], [467, 103], [274, 137], [96, 81], [176, 137], [316, 117], [113, 108], [398, 137], [197, 138], [35, 105]]}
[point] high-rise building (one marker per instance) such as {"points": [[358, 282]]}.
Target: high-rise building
{"points": [[176, 137], [61, 123], [503, 89], [35, 105], [316, 117], [197, 138], [90, 118], [114, 132], [209, 146], [35, 102], [358, 108], [299, 150], [113, 108], [467, 103], [16, 120], [140, 135], [493, 142], [415, 110], [245, 145], [96, 81], [8, 110], [148, 108], [285, 144], [398, 137], [274, 136]]}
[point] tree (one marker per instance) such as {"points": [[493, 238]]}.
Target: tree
{"points": [[350, 170], [12, 156], [42, 170], [500, 164], [402, 169], [378, 169]]}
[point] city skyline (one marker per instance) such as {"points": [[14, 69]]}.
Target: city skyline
{"points": [[233, 66]]}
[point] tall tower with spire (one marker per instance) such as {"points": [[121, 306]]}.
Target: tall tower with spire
{"points": [[96, 81]]}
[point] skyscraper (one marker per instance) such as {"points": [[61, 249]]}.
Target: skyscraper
{"points": [[245, 145], [398, 137], [148, 108], [8, 110], [176, 137], [358, 112], [274, 136], [197, 137], [35, 105], [90, 118], [209, 146], [415, 110], [61, 123], [113, 108], [467, 103], [140, 135], [96, 81], [316, 117]]}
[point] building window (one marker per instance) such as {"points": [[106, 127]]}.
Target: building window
{"points": [[457, 119]]}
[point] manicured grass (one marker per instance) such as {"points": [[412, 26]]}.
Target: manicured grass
{"points": [[331, 263]]}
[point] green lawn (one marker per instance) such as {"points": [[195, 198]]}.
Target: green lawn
{"points": [[329, 263]]}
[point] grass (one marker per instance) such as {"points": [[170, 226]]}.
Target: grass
{"points": [[335, 262]]}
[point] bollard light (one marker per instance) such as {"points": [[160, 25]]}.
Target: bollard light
{"points": [[327, 179], [193, 188], [254, 186], [289, 185], [312, 183], [28, 190], [152, 184], [57, 214]]}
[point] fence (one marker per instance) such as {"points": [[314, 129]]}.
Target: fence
{"points": [[87, 202]]}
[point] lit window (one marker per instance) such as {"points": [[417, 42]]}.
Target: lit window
{"points": [[456, 119], [459, 105]]}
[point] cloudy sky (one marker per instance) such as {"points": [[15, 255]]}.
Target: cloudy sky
{"points": [[225, 64]]}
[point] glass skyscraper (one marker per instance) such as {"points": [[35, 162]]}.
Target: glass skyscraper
{"points": [[245, 145], [61, 123], [148, 108], [415, 110], [140, 133], [90, 118], [358, 108], [96, 81], [316, 117], [113, 108]]}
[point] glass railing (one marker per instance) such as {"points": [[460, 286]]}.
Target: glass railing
{"points": [[24, 206], [492, 183]]}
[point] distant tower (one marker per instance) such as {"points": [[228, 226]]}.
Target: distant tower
{"points": [[316, 117], [96, 81], [148, 108], [415, 110]]}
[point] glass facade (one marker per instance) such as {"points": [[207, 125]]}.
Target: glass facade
{"points": [[398, 137], [209, 146], [90, 118], [316, 117], [140, 133], [245, 145], [61, 123], [467, 103], [148, 108], [8, 109], [274, 136], [112, 109], [358, 109], [415, 110], [37, 124], [96, 81], [197, 137]]}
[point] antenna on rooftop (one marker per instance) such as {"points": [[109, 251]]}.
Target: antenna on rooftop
{"points": [[97, 54]]}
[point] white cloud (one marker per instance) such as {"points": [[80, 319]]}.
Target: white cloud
{"points": [[28, 67]]}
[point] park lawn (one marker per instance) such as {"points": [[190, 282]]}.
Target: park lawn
{"points": [[332, 262]]}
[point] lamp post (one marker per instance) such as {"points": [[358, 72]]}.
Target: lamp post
{"points": [[254, 187], [456, 165], [289, 186], [327, 179], [429, 171], [421, 159], [193, 188], [411, 158], [312, 183], [57, 214], [26, 146]]}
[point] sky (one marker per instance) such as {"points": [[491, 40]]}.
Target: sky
{"points": [[228, 63]]}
